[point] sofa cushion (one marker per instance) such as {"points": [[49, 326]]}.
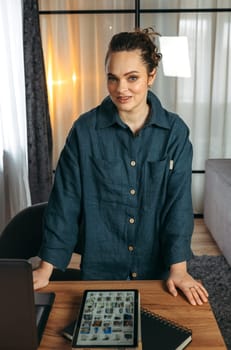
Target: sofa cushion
{"points": [[217, 203]]}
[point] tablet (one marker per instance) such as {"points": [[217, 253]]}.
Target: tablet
{"points": [[107, 319]]}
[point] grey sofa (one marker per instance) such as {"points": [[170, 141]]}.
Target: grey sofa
{"points": [[217, 203]]}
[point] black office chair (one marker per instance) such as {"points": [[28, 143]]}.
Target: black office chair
{"points": [[22, 237]]}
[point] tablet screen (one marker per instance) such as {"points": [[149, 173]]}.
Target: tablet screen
{"points": [[107, 318]]}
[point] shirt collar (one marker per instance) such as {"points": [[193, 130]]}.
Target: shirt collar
{"points": [[158, 115], [107, 114]]}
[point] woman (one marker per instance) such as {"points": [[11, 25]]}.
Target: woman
{"points": [[124, 182]]}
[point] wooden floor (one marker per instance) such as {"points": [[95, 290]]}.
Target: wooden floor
{"points": [[202, 243]]}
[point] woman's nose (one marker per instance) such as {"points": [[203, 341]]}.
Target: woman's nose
{"points": [[122, 85]]}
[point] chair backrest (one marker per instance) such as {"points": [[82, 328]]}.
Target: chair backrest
{"points": [[22, 237]]}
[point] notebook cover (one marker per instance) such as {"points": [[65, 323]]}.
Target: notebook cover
{"points": [[161, 333]]}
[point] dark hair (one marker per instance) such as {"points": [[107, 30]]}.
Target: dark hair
{"points": [[143, 40]]}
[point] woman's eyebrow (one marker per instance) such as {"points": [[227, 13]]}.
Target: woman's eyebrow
{"points": [[125, 74]]}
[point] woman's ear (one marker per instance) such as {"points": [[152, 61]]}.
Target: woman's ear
{"points": [[151, 77]]}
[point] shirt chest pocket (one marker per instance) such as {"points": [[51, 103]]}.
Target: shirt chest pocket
{"points": [[155, 180], [106, 179]]}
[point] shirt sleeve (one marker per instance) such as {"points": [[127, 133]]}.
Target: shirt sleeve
{"points": [[177, 217], [61, 221]]}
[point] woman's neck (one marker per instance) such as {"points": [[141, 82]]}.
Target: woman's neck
{"points": [[135, 120]]}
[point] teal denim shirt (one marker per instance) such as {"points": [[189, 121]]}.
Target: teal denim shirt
{"points": [[128, 196]]}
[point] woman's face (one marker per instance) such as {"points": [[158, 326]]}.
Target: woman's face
{"points": [[128, 80]]}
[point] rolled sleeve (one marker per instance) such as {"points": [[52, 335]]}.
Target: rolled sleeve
{"points": [[177, 219], [61, 221]]}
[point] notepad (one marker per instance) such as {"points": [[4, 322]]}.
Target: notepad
{"points": [[161, 333]]}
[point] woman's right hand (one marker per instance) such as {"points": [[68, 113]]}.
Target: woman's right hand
{"points": [[42, 275]]}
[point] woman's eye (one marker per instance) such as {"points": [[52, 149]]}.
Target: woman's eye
{"points": [[111, 78], [133, 78]]}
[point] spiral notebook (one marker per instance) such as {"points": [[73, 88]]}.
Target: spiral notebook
{"points": [[161, 333], [157, 332]]}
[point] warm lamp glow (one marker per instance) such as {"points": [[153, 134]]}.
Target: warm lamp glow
{"points": [[74, 77], [51, 82]]}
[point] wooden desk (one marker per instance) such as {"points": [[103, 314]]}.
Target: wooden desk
{"points": [[205, 332]]}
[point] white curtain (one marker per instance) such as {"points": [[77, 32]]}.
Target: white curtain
{"points": [[205, 99], [74, 49], [14, 187]]}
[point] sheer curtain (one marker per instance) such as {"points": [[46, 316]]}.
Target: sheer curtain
{"points": [[14, 187], [205, 99]]}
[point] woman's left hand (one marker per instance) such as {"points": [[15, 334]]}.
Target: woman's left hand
{"points": [[181, 279]]}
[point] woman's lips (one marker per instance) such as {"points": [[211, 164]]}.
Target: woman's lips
{"points": [[123, 99]]}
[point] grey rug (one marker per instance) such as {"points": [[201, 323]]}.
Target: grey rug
{"points": [[215, 273]]}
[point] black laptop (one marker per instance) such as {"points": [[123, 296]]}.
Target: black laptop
{"points": [[23, 312]]}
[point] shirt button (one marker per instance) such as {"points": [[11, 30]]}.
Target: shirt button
{"points": [[132, 220], [132, 192], [133, 163], [130, 248], [134, 274]]}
